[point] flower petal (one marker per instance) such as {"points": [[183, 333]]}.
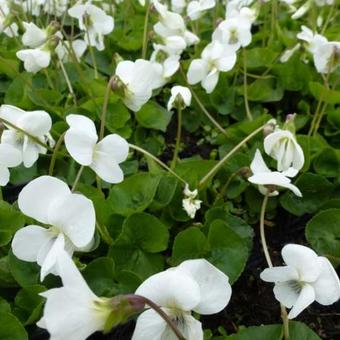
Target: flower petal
{"points": [[327, 286], [115, 147], [214, 285], [258, 165], [279, 274], [11, 113], [28, 241], [285, 294], [197, 71], [306, 297], [9, 155], [74, 214], [171, 288], [36, 197], [304, 260]]}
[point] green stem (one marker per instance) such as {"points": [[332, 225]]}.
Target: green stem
{"points": [[49, 80], [34, 138], [163, 315], [148, 154], [228, 155], [245, 86], [284, 315], [55, 153], [145, 32], [178, 137], [68, 82], [104, 233], [94, 62], [80, 171], [104, 110]]}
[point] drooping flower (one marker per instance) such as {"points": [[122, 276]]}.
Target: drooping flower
{"points": [[63, 49], [190, 203], [94, 21], [139, 79], [70, 218], [103, 157], [267, 180], [10, 157], [36, 123], [7, 24], [305, 278], [72, 311], [195, 285], [283, 147], [180, 95], [215, 58]]}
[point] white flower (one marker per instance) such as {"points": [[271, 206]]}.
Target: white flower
{"points": [[268, 180], [36, 123], [33, 36], [10, 157], [79, 47], [139, 79], [306, 278], [55, 7], [179, 95], [70, 219], [172, 24], [195, 285], [282, 146], [312, 41], [327, 57], [94, 21], [34, 59], [235, 31], [196, 9], [102, 157], [190, 203], [72, 311], [178, 6], [215, 58]]}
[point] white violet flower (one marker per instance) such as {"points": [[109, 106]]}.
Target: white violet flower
{"points": [[268, 180], [10, 157], [36, 123], [180, 95], [103, 157], [305, 278], [195, 285], [69, 217], [190, 203]]}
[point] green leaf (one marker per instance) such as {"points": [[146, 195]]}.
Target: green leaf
{"points": [[10, 221], [11, 328], [17, 93], [153, 116], [99, 274], [117, 116], [28, 304], [260, 57], [165, 192], [320, 92], [323, 232], [4, 306], [189, 244], [267, 332], [315, 191], [25, 273], [229, 252], [9, 67], [135, 194], [300, 331], [265, 90], [142, 237], [6, 278], [327, 163]]}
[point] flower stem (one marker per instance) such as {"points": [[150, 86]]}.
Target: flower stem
{"points": [[228, 155], [284, 315], [80, 171], [104, 110], [68, 82], [93, 57], [178, 137], [145, 32], [148, 154], [55, 153], [163, 315], [104, 233], [34, 138], [245, 86]]}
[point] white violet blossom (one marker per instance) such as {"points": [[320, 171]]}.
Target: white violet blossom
{"points": [[180, 95], [103, 157], [305, 278], [190, 203], [69, 217], [10, 157], [194, 285]]}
